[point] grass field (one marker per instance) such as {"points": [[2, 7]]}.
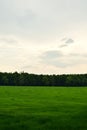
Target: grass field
{"points": [[43, 108]]}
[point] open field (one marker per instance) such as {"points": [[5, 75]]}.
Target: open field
{"points": [[43, 108]]}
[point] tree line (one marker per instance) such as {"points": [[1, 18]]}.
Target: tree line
{"points": [[26, 79]]}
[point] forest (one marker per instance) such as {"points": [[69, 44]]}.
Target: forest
{"points": [[26, 79]]}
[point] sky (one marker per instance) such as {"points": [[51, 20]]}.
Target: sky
{"points": [[43, 36]]}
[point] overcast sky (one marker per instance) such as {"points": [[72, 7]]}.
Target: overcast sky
{"points": [[43, 36]]}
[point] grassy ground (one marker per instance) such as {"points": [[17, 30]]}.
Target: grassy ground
{"points": [[43, 108]]}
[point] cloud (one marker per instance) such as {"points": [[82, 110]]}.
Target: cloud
{"points": [[53, 58], [69, 41], [58, 59], [66, 42], [51, 54]]}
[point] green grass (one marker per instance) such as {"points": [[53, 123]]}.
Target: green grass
{"points": [[43, 108]]}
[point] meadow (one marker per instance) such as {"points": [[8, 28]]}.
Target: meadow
{"points": [[43, 108]]}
